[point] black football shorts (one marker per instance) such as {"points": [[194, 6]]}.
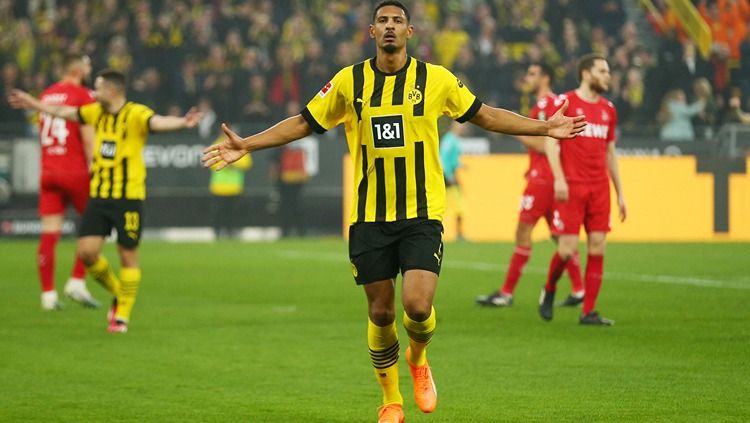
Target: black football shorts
{"points": [[126, 216], [380, 250]]}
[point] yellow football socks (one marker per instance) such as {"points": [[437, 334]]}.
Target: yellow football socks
{"points": [[105, 276], [420, 334], [383, 345], [130, 277]]}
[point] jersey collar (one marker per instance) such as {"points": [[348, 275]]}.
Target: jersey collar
{"points": [[378, 71]]}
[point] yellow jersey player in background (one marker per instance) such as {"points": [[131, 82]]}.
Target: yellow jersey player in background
{"points": [[118, 181], [389, 106]]}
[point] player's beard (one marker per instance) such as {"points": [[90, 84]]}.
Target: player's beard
{"points": [[598, 87], [390, 48]]}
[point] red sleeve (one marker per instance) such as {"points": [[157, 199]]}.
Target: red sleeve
{"points": [[534, 112], [554, 105], [87, 96]]}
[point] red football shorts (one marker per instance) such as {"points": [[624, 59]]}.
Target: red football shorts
{"points": [[587, 204], [57, 190], [537, 201]]}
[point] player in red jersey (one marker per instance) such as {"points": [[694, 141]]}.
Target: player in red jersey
{"points": [[537, 199], [581, 167], [66, 149]]}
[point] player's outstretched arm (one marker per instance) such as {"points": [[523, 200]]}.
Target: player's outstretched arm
{"points": [[234, 147], [22, 100], [159, 123], [506, 122]]}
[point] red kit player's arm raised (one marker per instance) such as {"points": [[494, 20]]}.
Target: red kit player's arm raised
{"points": [[22, 100]]}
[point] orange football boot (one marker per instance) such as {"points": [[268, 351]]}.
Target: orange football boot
{"points": [[425, 393], [391, 413]]}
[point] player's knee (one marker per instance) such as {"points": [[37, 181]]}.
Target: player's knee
{"points": [[87, 256], [597, 249], [566, 253], [382, 316], [597, 244], [418, 310], [523, 237]]}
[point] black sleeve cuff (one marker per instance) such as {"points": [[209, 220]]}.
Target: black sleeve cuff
{"points": [[148, 124], [311, 121], [475, 106], [80, 116]]}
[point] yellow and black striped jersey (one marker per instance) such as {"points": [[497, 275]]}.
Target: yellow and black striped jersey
{"points": [[391, 128], [118, 170]]}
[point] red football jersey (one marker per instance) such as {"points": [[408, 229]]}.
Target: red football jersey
{"points": [[62, 146], [539, 170], [584, 158]]}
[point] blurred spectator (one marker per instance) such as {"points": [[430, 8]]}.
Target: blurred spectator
{"points": [[599, 43], [215, 49], [450, 41], [737, 114], [291, 174], [208, 126], [147, 89], [226, 186], [257, 108], [285, 85], [743, 71], [24, 46], [690, 68], [675, 117], [450, 157], [705, 121], [12, 119], [608, 14], [316, 70], [630, 102], [118, 57]]}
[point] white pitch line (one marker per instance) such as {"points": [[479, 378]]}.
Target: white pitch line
{"points": [[741, 283]]}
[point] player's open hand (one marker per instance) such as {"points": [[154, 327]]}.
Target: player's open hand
{"points": [[20, 99], [563, 127], [623, 208], [561, 190], [192, 117], [228, 151]]}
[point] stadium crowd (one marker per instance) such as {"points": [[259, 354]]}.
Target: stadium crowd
{"points": [[251, 60]]}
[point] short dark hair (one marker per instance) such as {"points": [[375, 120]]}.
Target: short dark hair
{"points": [[114, 77], [587, 62], [71, 58], [546, 70], [384, 3]]}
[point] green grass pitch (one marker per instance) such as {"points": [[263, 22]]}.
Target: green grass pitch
{"points": [[276, 332]]}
